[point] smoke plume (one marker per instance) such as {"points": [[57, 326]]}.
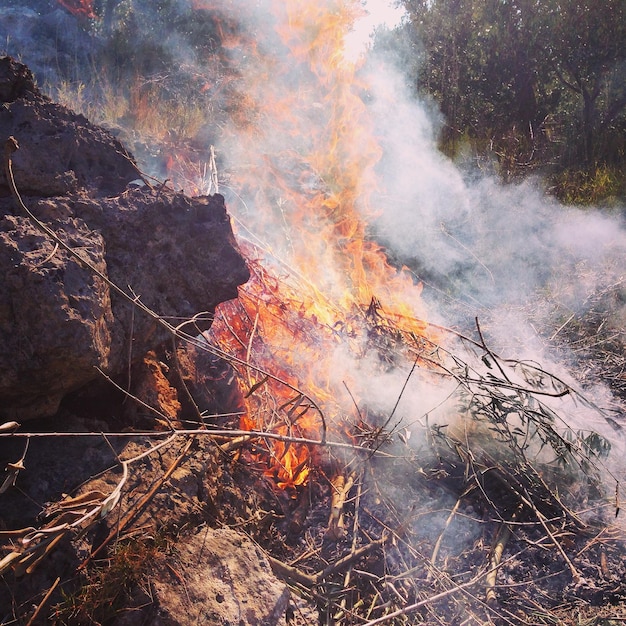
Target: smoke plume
{"points": [[507, 254]]}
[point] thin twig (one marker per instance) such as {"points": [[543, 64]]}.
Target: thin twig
{"points": [[188, 394], [255, 434], [49, 257], [350, 558], [437, 547], [445, 231], [575, 573], [416, 605], [35, 615], [138, 508], [340, 486], [355, 534], [213, 169], [404, 386], [150, 408], [489, 352]]}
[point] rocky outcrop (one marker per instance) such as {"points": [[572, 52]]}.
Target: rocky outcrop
{"points": [[59, 321], [62, 318], [61, 151]]}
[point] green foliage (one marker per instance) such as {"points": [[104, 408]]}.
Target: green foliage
{"points": [[143, 38], [542, 83], [601, 184]]}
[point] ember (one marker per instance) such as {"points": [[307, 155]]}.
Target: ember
{"points": [[82, 8]]}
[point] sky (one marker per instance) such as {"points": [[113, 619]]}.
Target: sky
{"points": [[379, 13]]}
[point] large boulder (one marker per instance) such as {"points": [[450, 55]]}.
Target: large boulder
{"points": [[59, 320]]}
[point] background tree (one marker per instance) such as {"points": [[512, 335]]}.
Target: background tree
{"points": [[539, 83], [584, 46]]}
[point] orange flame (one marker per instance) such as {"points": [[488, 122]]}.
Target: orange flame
{"points": [[81, 8], [306, 166]]}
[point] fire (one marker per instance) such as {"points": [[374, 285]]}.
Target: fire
{"points": [[81, 8], [318, 281]]}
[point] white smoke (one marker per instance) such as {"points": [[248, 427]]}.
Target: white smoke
{"points": [[377, 14], [510, 255], [507, 254], [483, 242]]}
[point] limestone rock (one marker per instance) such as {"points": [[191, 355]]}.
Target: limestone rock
{"points": [[225, 580]]}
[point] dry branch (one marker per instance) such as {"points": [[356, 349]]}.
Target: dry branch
{"points": [[293, 574], [502, 537], [411, 608], [340, 487], [40, 606], [10, 147], [455, 508]]}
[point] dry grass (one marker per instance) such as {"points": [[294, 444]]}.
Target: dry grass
{"points": [[602, 184], [112, 585], [147, 108]]}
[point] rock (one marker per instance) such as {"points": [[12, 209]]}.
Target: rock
{"points": [[177, 254], [60, 150], [16, 80], [225, 580], [55, 317], [59, 321]]}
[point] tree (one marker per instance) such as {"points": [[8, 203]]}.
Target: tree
{"points": [[442, 29], [584, 44], [500, 68]]}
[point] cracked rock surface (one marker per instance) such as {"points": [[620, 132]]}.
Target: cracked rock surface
{"points": [[59, 321]]}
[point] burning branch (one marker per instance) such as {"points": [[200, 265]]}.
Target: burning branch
{"points": [[81, 8]]}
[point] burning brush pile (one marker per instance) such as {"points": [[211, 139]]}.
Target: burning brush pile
{"points": [[487, 507], [393, 470]]}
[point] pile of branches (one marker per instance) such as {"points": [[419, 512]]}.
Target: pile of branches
{"points": [[503, 461], [501, 513]]}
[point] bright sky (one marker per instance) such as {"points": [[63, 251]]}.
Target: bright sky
{"points": [[379, 12]]}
